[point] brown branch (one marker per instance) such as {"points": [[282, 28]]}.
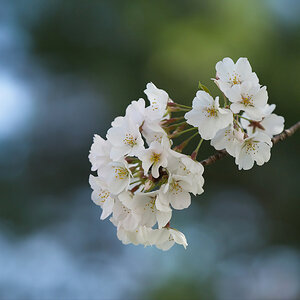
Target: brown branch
{"points": [[280, 137]]}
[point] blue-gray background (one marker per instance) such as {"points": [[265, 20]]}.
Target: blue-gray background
{"points": [[67, 68]]}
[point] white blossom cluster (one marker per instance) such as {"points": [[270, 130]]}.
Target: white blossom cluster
{"points": [[141, 176], [245, 125]]}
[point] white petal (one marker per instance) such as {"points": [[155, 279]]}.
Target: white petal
{"points": [[107, 208], [178, 237], [163, 218], [181, 200]]}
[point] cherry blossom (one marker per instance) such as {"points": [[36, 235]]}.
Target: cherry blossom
{"points": [[207, 115], [230, 74], [125, 140], [155, 157], [255, 148], [229, 138], [101, 196], [249, 98], [271, 124], [158, 101], [99, 153], [144, 168]]}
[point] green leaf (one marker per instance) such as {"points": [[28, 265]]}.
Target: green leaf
{"points": [[203, 87]]}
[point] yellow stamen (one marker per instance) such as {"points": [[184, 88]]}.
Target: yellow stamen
{"points": [[211, 111], [103, 195], [130, 140], [247, 100], [121, 173], [155, 157]]}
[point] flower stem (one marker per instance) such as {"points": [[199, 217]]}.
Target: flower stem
{"points": [[238, 124], [180, 147], [176, 125], [243, 118], [182, 132], [183, 106], [171, 120], [172, 106], [195, 152]]}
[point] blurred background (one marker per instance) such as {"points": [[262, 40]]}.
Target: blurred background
{"points": [[67, 68]]}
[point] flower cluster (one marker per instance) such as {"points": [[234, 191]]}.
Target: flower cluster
{"points": [[245, 124], [142, 175], [140, 178]]}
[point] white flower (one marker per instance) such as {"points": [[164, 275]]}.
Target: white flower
{"points": [[229, 138], [257, 148], [125, 140], [249, 98], [100, 152], [183, 165], [167, 237], [163, 238], [125, 216], [136, 237], [155, 156], [174, 192], [143, 204], [116, 175], [101, 196], [207, 115], [135, 112], [230, 74], [271, 124], [152, 131], [158, 101]]}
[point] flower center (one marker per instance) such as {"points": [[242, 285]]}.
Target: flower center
{"points": [[155, 157], [130, 140], [229, 135], [121, 173], [154, 105], [235, 79], [211, 111], [175, 187], [251, 146], [103, 195], [151, 205], [247, 100]]}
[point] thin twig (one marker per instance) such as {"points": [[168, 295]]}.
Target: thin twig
{"points": [[280, 137]]}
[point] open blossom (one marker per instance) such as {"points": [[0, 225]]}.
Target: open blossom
{"points": [[229, 138], [189, 169], [135, 112], [230, 74], [152, 131], [163, 238], [207, 115], [249, 98], [271, 124], [154, 157], [125, 140], [99, 153], [101, 196], [167, 237], [116, 175], [143, 204], [158, 101], [125, 216], [175, 192], [255, 148]]}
